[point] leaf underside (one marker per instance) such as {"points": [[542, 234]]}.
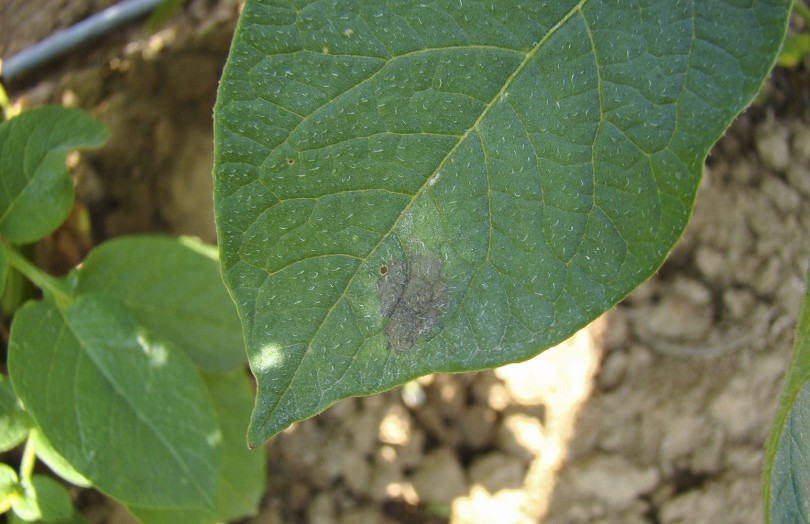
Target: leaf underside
{"points": [[410, 187]]}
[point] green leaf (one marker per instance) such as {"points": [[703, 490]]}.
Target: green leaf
{"points": [[3, 268], [240, 482], [126, 409], [411, 187], [14, 421], [37, 193], [789, 487], [162, 12], [9, 487], [786, 477], [55, 461], [75, 518], [172, 287], [45, 500], [796, 48]]}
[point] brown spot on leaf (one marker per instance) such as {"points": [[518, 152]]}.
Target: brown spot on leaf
{"points": [[412, 296]]}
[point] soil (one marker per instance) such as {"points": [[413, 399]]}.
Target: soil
{"points": [[656, 413]]}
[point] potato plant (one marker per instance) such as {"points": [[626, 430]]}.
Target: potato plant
{"points": [[412, 187], [401, 188], [128, 375]]}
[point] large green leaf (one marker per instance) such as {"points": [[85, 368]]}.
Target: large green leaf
{"points": [[36, 192], [786, 478], [240, 482], [126, 409], [172, 286], [409, 187]]}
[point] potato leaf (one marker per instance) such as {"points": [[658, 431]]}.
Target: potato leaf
{"points": [[172, 286], [36, 192], [786, 478], [240, 482], [411, 187], [43, 500], [14, 421], [126, 409]]}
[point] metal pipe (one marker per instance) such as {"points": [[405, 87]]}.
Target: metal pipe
{"points": [[75, 35]]}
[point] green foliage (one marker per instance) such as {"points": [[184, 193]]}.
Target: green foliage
{"points": [[9, 487], [37, 191], [112, 402], [55, 461], [14, 421], [43, 499], [404, 188], [162, 13], [196, 315], [3, 268], [796, 48], [130, 369], [786, 478], [240, 479], [401, 188]]}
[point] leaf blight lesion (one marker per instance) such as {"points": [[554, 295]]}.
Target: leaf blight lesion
{"points": [[412, 295]]}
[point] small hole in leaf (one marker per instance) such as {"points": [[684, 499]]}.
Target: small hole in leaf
{"points": [[290, 161], [383, 269]]}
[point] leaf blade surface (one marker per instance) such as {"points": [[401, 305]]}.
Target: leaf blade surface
{"points": [[240, 481], [786, 477], [172, 287], [36, 192], [97, 385], [543, 158]]}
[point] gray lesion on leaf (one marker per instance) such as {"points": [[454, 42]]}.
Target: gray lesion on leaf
{"points": [[412, 295]]}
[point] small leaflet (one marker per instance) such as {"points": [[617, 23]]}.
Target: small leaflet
{"points": [[412, 295]]}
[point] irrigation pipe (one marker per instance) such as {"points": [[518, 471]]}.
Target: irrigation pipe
{"points": [[75, 35]]}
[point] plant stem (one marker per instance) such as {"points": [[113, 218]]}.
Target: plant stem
{"points": [[48, 284], [802, 10], [27, 461], [5, 105]]}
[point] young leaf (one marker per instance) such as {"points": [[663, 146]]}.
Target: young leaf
{"points": [[14, 421], [44, 499], [9, 487], [37, 192], [172, 287], [240, 482], [128, 410], [411, 187], [786, 477]]}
